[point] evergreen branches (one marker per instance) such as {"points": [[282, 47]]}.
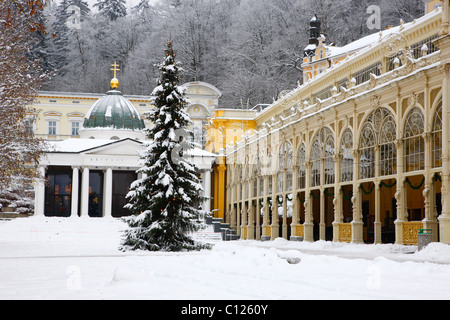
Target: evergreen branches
{"points": [[164, 201]]}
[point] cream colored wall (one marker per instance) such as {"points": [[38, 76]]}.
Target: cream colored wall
{"points": [[68, 107]]}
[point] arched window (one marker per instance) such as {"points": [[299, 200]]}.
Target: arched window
{"points": [[269, 172], [289, 164], [388, 150], [379, 130], [255, 176], [301, 159], [328, 153], [246, 177], [367, 152], [437, 138], [414, 145], [323, 148], [238, 181], [261, 162], [285, 156], [347, 156], [316, 153]]}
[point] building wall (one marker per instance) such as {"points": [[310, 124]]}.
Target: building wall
{"points": [[65, 111], [431, 5], [226, 127]]}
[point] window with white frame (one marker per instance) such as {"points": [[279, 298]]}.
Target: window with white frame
{"points": [[52, 124], [52, 127], [30, 124], [75, 128]]}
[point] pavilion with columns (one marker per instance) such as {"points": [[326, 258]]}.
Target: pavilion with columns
{"points": [[90, 176]]}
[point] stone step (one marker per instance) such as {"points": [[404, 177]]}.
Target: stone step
{"points": [[220, 220], [232, 237], [220, 229], [208, 220], [216, 226]]}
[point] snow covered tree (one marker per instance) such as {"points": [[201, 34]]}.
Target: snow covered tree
{"points": [[69, 16], [164, 202], [112, 9], [20, 77]]}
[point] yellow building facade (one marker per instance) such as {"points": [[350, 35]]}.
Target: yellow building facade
{"points": [[226, 127], [358, 153]]}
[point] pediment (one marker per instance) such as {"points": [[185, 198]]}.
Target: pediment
{"points": [[127, 147], [203, 89]]}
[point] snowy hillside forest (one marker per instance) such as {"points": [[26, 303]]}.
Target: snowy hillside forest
{"points": [[251, 50]]}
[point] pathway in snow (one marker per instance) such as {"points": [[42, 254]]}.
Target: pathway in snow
{"points": [[78, 259]]}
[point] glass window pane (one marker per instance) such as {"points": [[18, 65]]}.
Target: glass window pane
{"points": [[437, 138], [414, 145], [347, 156]]}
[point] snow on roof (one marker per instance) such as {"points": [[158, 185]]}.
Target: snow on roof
{"points": [[361, 46], [375, 37], [196, 152], [82, 145], [77, 145], [310, 47]]}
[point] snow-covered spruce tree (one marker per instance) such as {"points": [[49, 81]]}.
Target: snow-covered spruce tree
{"points": [[164, 202], [20, 78], [112, 9]]}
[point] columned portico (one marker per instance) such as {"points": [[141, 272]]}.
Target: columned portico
{"points": [[85, 193], [108, 189], [91, 178], [207, 190], [444, 44], [75, 190], [39, 200]]}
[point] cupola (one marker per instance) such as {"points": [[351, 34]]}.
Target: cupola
{"points": [[113, 116]]}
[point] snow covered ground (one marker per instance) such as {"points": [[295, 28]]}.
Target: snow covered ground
{"points": [[78, 259]]}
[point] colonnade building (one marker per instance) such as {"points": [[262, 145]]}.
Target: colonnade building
{"points": [[360, 151]]}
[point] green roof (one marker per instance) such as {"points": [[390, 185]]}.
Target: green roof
{"points": [[114, 111]]}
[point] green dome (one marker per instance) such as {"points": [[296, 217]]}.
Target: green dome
{"points": [[113, 111]]}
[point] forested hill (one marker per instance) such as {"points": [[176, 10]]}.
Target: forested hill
{"points": [[250, 49]]}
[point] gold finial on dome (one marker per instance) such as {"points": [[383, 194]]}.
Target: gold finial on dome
{"points": [[115, 81]]}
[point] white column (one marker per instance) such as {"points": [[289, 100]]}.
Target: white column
{"points": [[85, 193], [444, 218], [75, 188], [207, 182], [377, 224], [39, 193], [107, 206]]}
